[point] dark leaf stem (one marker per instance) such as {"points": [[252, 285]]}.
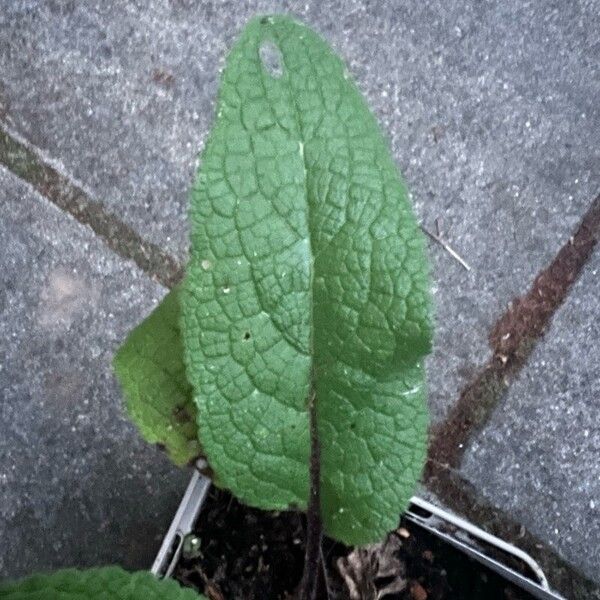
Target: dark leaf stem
{"points": [[314, 525]]}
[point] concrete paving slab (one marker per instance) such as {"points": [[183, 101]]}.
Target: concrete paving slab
{"points": [[77, 485], [538, 457], [492, 114], [491, 109]]}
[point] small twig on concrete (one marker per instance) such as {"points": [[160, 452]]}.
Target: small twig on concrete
{"points": [[447, 247]]}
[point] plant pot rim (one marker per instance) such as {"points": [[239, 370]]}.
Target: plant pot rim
{"points": [[466, 537]]}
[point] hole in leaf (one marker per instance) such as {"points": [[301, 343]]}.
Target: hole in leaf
{"points": [[271, 58], [247, 335]]}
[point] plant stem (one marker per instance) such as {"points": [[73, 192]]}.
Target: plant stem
{"points": [[314, 526]]}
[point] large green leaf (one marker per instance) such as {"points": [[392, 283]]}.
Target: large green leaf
{"points": [[308, 272], [106, 583], [158, 397]]}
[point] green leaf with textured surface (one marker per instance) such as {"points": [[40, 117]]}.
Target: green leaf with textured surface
{"points": [[308, 272], [158, 397], [106, 583]]}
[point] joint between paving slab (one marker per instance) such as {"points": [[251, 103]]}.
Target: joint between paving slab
{"points": [[512, 340], [24, 161]]}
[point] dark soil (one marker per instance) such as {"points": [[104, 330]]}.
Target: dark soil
{"points": [[246, 553], [249, 554]]}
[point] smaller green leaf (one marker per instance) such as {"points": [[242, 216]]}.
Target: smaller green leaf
{"points": [[105, 583], [158, 397]]}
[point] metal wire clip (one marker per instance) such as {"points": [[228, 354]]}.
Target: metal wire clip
{"points": [[183, 523]]}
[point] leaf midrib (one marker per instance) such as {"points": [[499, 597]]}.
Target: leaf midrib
{"points": [[311, 259]]}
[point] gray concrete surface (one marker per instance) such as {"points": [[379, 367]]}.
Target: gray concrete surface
{"points": [[539, 456], [77, 485], [491, 109]]}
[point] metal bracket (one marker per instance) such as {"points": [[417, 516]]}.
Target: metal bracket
{"points": [[183, 523], [458, 532], [477, 543]]}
